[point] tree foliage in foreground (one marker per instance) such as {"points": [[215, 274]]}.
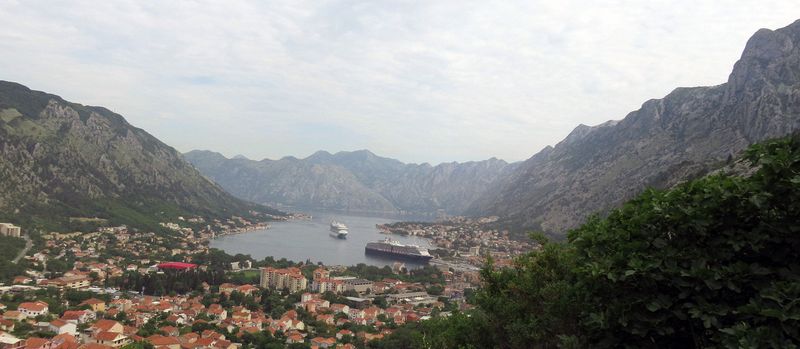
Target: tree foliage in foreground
{"points": [[713, 263]]}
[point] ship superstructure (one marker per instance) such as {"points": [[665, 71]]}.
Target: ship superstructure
{"points": [[338, 230]]}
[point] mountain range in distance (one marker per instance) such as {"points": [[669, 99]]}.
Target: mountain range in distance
{"points": [[357, 181], [686, 134]]}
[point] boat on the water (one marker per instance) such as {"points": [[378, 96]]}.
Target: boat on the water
{"points": [[392, 248], [338, 230]]}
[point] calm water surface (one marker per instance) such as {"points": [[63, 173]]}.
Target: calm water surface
{"points": [[308, 239]]}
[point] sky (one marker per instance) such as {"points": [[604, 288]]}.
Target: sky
{"points": [[419, 81]]}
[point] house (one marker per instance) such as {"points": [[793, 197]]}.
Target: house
{"points": [[227, 288], [340, 308], [38, 343], [65, 341], [122, 304], [33, 309], [7, 341], [171, 331], [95, 304], [79, 316], [72, 281], [217, 312], [106, 326], [247, 289], [295, 337], [323, 342], [13, 315], [59, 326], [7, 325], [22, 280], [171, 342], [326, 319], [112, 339], [342, 333]]}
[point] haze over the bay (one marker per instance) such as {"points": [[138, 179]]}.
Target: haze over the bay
{"points": [[420, 81]]}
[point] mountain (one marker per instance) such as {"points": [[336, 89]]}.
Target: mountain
{"points": [[60, 159], [685, 134], [351, 181]]}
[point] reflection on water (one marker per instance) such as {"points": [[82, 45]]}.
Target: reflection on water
{"points": [[309, 240]]}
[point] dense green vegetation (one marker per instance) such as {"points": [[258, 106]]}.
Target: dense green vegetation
{"points": [[170, 281], [426, 274], [10, 248], [710, 263]]}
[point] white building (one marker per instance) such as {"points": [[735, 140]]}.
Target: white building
{"points": [[61, 327], [33, 309], [8, 229]]}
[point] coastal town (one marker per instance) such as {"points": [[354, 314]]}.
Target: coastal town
{"points": [[118, 287], [464, 241]]}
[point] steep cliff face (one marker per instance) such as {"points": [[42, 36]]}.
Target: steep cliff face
{"points": [[60, 159], [353, 181], [685, 134]]}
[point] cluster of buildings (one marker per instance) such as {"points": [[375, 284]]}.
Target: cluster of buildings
{"points": [[96, 323], [291, 279], [8, 229], [469, 239], [323, 282], [114, 318]]}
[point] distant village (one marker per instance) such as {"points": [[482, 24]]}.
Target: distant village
{"points": [[464, 240], [82, 290]]}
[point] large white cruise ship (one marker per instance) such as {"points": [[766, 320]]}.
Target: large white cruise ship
{"points": [[338, 230], [392, 248]]}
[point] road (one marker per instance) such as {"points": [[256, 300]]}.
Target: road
{"points": [[28, 245]]}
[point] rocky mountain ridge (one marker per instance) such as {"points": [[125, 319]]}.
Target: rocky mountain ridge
{"points": [[61, 161], [685, 134]]}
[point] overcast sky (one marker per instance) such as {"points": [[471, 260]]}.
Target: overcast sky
{"points": [[420, 81]]}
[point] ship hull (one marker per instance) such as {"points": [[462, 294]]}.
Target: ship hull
{"points": [[403, 256], [338, 236]]}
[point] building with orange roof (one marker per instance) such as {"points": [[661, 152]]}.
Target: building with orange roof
{"points": [[95, 304], [246, 289], [159, 341], [38, 343], [13, 315], [323, 342], [105, 325], [59, 326], [112, 339], [33, 309]]}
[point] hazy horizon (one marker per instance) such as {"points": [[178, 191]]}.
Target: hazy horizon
{"points": [[414, 81]]}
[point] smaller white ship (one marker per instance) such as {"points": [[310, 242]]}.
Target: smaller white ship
{"points": [[338, 230]]}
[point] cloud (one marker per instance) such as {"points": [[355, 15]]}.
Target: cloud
{"points": [[417, 80]]}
